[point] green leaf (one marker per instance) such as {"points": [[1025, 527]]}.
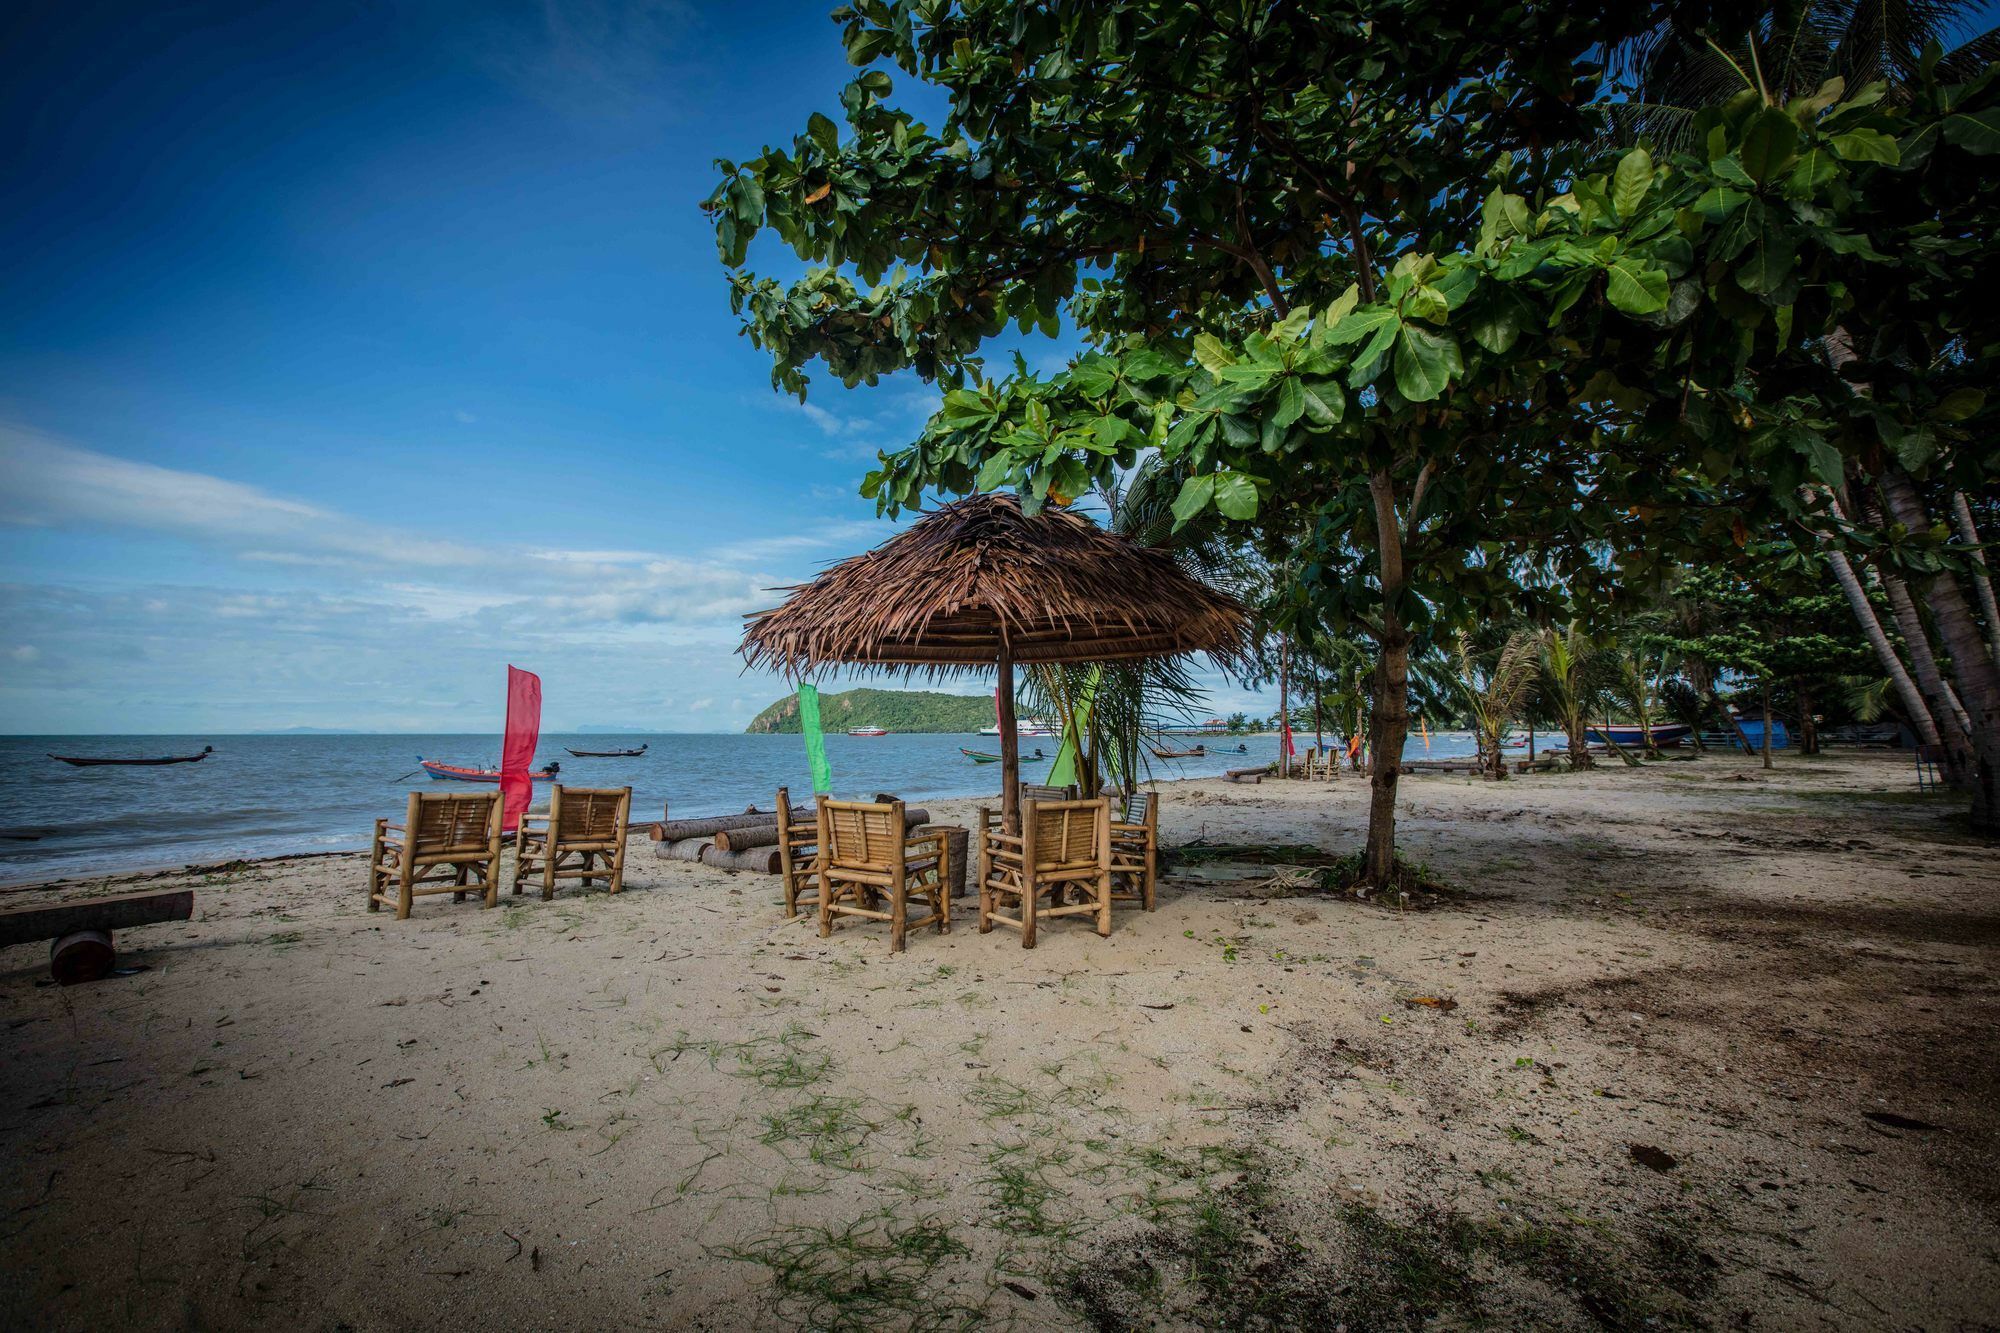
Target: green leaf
{"points": [[824, 132], [1324, 402], [1358, 325], [1196, 493], [1634, 289], [1631, 181], [1425, 363], [1866, 145], [1092, 378], [1825, 460], [994, 474], [1977, 132], [1816, 167], [1291, 404], [1730, 171], [1767, 144], [1768, 266], [1108, 433], [1211, 355], [1235, 495], [1426, 302], [1959, 404]]}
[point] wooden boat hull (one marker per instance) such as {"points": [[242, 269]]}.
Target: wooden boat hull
{"points": [[607, 754], [459, 773], [978, 757], [84, 761], [1672, 733], [1197, 753]]}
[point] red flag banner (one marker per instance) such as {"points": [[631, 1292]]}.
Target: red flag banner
{"points": [[517, 749]]}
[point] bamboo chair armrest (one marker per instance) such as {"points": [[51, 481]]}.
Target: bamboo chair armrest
{"points": [[387, 827], [993, 835]]}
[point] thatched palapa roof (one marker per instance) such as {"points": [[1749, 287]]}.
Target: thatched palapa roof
{"points": [[938, 596]]}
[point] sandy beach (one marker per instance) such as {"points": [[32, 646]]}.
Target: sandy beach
{"points": [[1691, 1044]]}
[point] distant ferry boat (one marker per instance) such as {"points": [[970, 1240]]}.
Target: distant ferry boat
{"points": [[867, 731], [1029, 727]]}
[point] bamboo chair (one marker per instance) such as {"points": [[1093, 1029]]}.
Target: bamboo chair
{"points": [[582, 825], [865, 854], [1135, 850], [448, 842], [798, 857], [989, 815], [1061, 844]]}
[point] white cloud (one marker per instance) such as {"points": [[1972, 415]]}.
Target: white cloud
{"points": [[25, 653]]}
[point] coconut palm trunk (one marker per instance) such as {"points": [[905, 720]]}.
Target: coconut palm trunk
{"points": [[1982, 583], [1977, 672]]}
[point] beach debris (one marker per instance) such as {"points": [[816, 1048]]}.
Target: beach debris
{"points": [[1444, 1004], [81, 929], [1657, 1159]]}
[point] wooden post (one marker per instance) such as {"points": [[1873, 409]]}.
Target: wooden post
{"points": [[1010, 742]]}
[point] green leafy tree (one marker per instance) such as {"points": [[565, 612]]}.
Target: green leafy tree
{"points": [[1333, 267]]}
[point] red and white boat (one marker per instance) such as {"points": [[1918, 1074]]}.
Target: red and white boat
{"points": [[867, 731], [441, 772]]}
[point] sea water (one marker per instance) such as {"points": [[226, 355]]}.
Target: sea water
{"points": [[272, 795]]}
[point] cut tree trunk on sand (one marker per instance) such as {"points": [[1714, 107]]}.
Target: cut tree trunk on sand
{"points": [[684, 849], [763, 860], [673, 830]]}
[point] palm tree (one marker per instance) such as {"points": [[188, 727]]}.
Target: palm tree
{"points": [[1791, 50], [1570, 687], [1636, 674], [1492, 690]]}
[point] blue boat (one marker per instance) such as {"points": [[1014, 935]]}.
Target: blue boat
{"points": [[1666, 733], [1753, 732]]}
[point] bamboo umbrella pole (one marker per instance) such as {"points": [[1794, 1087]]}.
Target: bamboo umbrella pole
{"points": [[1010, 741]]}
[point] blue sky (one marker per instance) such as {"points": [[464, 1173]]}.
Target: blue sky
{"points": [[348, 352]]}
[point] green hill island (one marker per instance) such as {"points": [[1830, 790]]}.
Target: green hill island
{"points": [[893, 710]]}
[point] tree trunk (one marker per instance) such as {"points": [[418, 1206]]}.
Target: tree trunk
{"points": [[1982, 584], [1389, 726], [1767, 723], [1976, 671], [1284, 708], [1885, 652], [1579, 742], [1954, 727]]}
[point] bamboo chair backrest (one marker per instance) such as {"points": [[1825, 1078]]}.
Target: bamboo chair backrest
{"points": [[861, 834], [1137, 805], [451, 821], [1032, 792], [589, 814], [1068, 833]]}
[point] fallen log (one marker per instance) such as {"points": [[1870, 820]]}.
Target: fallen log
{"points": [[673, 830], [684, 849], [763, 860], [745, 838], [56, 920]]}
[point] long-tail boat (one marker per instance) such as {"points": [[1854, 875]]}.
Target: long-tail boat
{"points": [[1196, 753], [85, 761], [981, 757], [441, 772], [609, 754]]}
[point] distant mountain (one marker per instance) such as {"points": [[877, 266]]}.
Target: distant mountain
{"points": [[896, 710], [312, 731]]}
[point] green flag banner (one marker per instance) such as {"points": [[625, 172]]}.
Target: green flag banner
{"points": [[815, 739], [1063, 771]]}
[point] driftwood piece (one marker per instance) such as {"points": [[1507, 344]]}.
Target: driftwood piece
{"points": [[1256, 774], [54, 920], [683, 849], [85, 956], [743, 839], [673, 830], [763, 860]]}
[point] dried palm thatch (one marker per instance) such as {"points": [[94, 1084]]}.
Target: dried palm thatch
{"points": [[978, 584], [947, 594]]}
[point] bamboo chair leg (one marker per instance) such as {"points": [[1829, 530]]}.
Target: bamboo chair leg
{"points": [[899, 915], [404, 897], [1104, 904], [943, 889], [985, 867], [1030, 892], [549, 869], [1152, 871], [459, 876], [827, 892], [490, 871], [375, 865], [618, 868]]}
